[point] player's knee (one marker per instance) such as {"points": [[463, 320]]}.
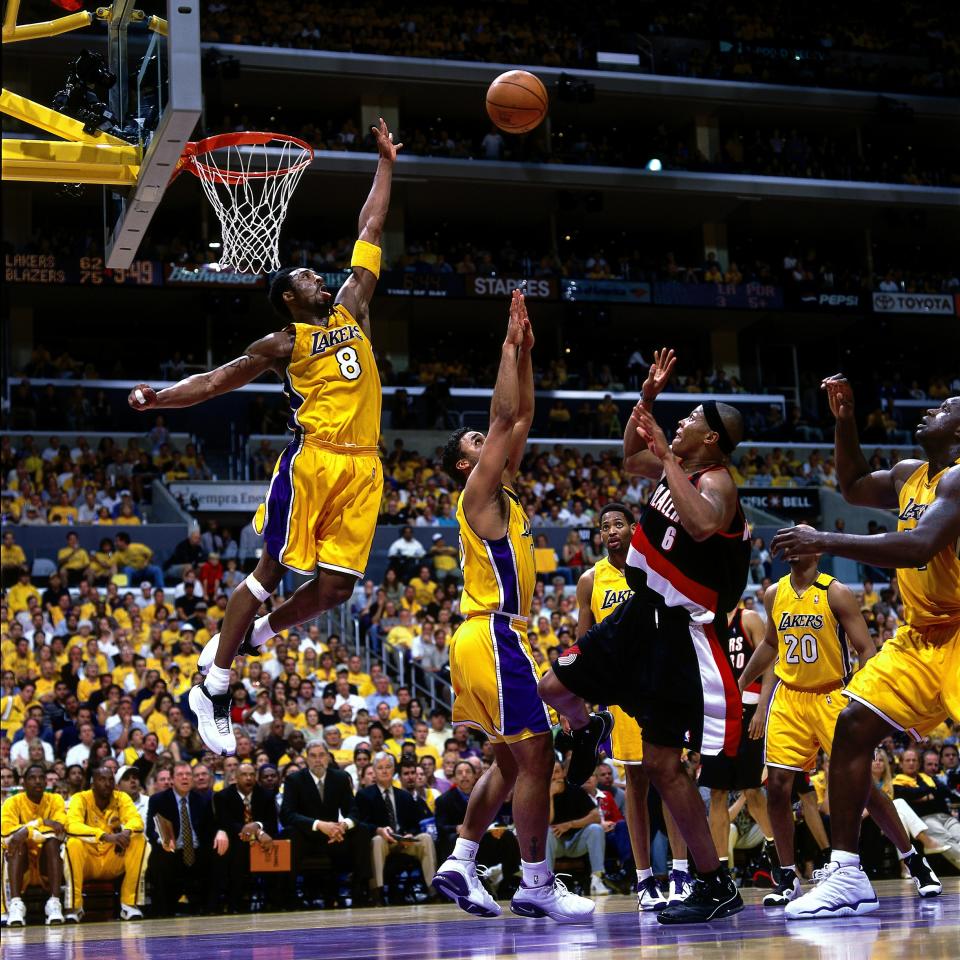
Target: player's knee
{"points": [[268, 573], [779, 784], [548, 686], [334, 589]]}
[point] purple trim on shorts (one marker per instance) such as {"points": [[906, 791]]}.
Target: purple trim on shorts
{"points": [[522, 707], [505, 565], [279, 502]]}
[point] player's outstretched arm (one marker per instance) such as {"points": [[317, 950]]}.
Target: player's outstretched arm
{"points": [[266, 354], [525, 408], [847, 611], [357, 291], [584, 594], [483, 487], [765, 653], [858, 483], [938, 527], [637, 459]]}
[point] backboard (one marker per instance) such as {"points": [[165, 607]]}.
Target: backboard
{"points": [[160, 103]]}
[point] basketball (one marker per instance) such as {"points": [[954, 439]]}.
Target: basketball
{"points": [[517, 101]]}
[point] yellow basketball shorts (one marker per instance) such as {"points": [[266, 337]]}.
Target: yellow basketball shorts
{"points": [[495, 679], [914, 680], [32, 875], [799, 723], [321, 508], [626, 740]]}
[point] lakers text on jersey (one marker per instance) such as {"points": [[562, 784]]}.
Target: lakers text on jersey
{"points": [[914, 681], [324, 498], [492, 668], [813, 663]]}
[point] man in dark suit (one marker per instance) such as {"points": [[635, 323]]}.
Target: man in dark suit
{"points": [[498, 846], [316, 813], [191, 861], [392, 817], [247, 814]]}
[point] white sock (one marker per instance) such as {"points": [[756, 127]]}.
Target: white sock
{"points": [[680, 865], [262, 631], [218, 680], [535, 874], [909, 853], [465, 849], [645, 874], [792, 867], [723, 860], [844, 859]]}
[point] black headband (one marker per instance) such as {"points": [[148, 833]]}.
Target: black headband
{"points": [[715, 422]]}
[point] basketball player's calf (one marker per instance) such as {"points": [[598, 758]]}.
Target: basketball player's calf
{"points": [[242, 632]]}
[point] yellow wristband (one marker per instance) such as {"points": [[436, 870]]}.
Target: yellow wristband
{"points": [[366, 255]]}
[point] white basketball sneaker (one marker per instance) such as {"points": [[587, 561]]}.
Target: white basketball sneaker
{"points": [[458, 880], [16, 913], [213, 720], [552, 900], [839, 892], [649, 895], [210, 648], [53, 911], [129, 912], [681, 886]]}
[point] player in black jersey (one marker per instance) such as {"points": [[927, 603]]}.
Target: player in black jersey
{"points": [[661, 656], [744, 772]]}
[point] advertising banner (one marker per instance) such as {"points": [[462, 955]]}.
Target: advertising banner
{"points": [[606, 291], [794, 502], [940, 304], [223, 497], [723, 296]]}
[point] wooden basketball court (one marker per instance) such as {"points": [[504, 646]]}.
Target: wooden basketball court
{"points": [[904, 927]]}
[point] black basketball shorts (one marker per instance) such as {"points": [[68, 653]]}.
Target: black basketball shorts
{"points": [[742, 772]]}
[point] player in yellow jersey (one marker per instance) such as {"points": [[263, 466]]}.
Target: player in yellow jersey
{"points": [[914, 681], [321, 509], [811, 619], [105, 840], [32, 830], [600, 590], [492, 668]]}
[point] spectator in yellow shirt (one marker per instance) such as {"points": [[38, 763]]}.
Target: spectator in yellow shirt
{"points": [[72, 560], [127, 517], [356, 675], [103, 563], [420, 731], [134, 559], [187, 653], [445, 557], [423, 586], [403, 633], [333, 739], [13, 708], [21, 662], [12, 558], [63, 512], [18, 593], [409, 601], [345, 722]]}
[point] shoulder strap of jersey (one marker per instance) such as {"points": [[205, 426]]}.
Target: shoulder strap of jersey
{"points": [[823, 581]]}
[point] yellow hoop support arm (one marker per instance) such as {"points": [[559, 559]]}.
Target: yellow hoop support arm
{"points": [[56, 162], [52, 121], [49, 28], [159, 25]]}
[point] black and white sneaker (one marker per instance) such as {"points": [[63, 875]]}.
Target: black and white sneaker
{"points": [[649, 895], [928, 883], [788, 888], [213, 720], [586, 747], [710, 900], [210, 648]]}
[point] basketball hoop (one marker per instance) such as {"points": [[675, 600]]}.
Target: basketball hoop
{"points": [[249, 178]]}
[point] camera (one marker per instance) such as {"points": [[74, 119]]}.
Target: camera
{"points": [[85, 92]]}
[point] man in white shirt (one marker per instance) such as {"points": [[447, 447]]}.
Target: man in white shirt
{"points": [[31, 734], [128, 780], [440, 730], [80, 752], [345, 696], [145, 598], [405, 551]]}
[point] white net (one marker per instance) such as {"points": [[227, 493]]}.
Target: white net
{"points": [[250, 185]]}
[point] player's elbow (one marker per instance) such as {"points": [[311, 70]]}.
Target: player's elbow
{"points": [[700, 531], [918, 551]]}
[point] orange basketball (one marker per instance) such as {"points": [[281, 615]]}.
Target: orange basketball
{"points": [[516, 101]]}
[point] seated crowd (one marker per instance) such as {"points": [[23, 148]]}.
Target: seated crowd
{"points": [[758, 42]]}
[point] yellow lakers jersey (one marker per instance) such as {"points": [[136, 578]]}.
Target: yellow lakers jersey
{"points": [[609, 589], [332, 382], [498, 575], [19, 810], [812, 646], [931, 593]]}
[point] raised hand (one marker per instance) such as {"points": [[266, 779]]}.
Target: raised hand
{"points": [[839, 395], [658, 376], [650, 432], [388, 149], [142, 397], [515, 327], [796, 542], [528, 338]]}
